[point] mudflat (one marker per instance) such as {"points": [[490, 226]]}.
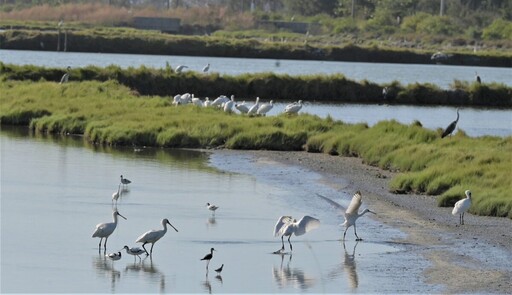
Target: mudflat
{"points": [[472, 258]]}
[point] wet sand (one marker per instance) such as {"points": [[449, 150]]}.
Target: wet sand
{"points": [[473, 258]]}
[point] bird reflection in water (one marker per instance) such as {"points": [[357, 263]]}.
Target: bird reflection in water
{"points": [[105, 268], [285, 276], [206, 285], [350, 267], [150, 269], [211, 222]]}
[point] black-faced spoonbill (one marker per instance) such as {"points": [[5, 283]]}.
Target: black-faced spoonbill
{"points": [[451, 127], [265, 108], [125, 181], [293, 108], [104, 230], [208, 257], [352, 214], [154, 235], [252, 110], [462, 206], [211, 207], [116, 195], [286, 226], [135, 251], [114, 256]]}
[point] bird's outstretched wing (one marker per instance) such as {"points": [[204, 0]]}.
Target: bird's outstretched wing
{"points": [[306, 223], [281, 222], [333, 203], [357, 199]]}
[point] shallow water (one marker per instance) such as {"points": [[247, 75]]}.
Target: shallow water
{"points": [[55, 190]]}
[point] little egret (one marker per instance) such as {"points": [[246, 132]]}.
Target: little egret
{"points": [[206, 68], [125, 181], [208, 257], [65, 77], [153, 236], [135, 251], [252, 110], [116, 195], [104, 230], [462, 206], [449, 130], [114, 256], [212, 207], [219, 270], [286, 226], [351, 215], [293, 108], [265, 108]]}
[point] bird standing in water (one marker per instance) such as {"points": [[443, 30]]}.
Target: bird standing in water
{"points": [[286, 226], [208, 257], [352, 214]]}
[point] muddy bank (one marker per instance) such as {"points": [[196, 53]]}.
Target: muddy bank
{"points": [[473, 258]]}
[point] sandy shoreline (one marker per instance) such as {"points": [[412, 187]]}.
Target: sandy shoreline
{"points": [[473, 258]]}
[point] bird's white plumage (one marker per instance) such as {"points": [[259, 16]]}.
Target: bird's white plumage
{"points": [[211, 207], [286, 225], [154, 235], [114, 256], [356, 202], [135, 251], [265, 108], [104, 230], [254, 108], [116, 195], [180, 68], [462, 205], [242, 107], [293, 108]]}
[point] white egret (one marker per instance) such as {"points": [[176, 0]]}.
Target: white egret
{"points": [[254, 108], [242, 107], [116, 195], [208, 257], [206, 68], [65, 77], [293, 108], [219, 270], [180, 68], [104, 230], [286, 226], [135, 251], [211, 207], [114, 256], [352, 214], [449, 130], [125, 181], [462, 206], [265, 108], [153, 236]]}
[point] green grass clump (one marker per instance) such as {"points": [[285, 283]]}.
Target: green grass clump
{"points": [[110, 113]]}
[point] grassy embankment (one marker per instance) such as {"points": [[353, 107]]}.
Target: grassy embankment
{"points": [[109, 113], [126, 40], [164, 82]]}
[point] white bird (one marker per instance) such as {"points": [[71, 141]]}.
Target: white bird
{"points": [[286, 226], [228, 105], [220, 101], [212, 207], [65, 77], [180, 68], [293, 108], [197, 101], [153, 236], [265, 108], [254, 108], [116, 195], [462, 206], [242, 107], [208, 257], [207, 102], [104, 230], [114, 256], [352, 214], [206, 68], [135, 251], [125, 181]]}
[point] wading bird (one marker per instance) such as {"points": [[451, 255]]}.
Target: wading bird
{"points": [[293, 108], [65, 77], [206, 68], [208, 257], [211, 207], [265, 108], [462, 206], [180, 68], [449, 130], [104, 230], [286, 226], [219, 270], [114, 256], [125, 181], [116, 195], [153, 236], [135, 251], [351, 215]]}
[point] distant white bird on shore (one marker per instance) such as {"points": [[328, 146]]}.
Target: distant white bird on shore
{"points": [[242, 107], [286, 226], [293, 108], [228, 105], [153, 236], [265, 108], [65, 77], [254, 108], [180, 68], [207, 102], [211, 207], [462, 206], [352, 214], [104, 230]]}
